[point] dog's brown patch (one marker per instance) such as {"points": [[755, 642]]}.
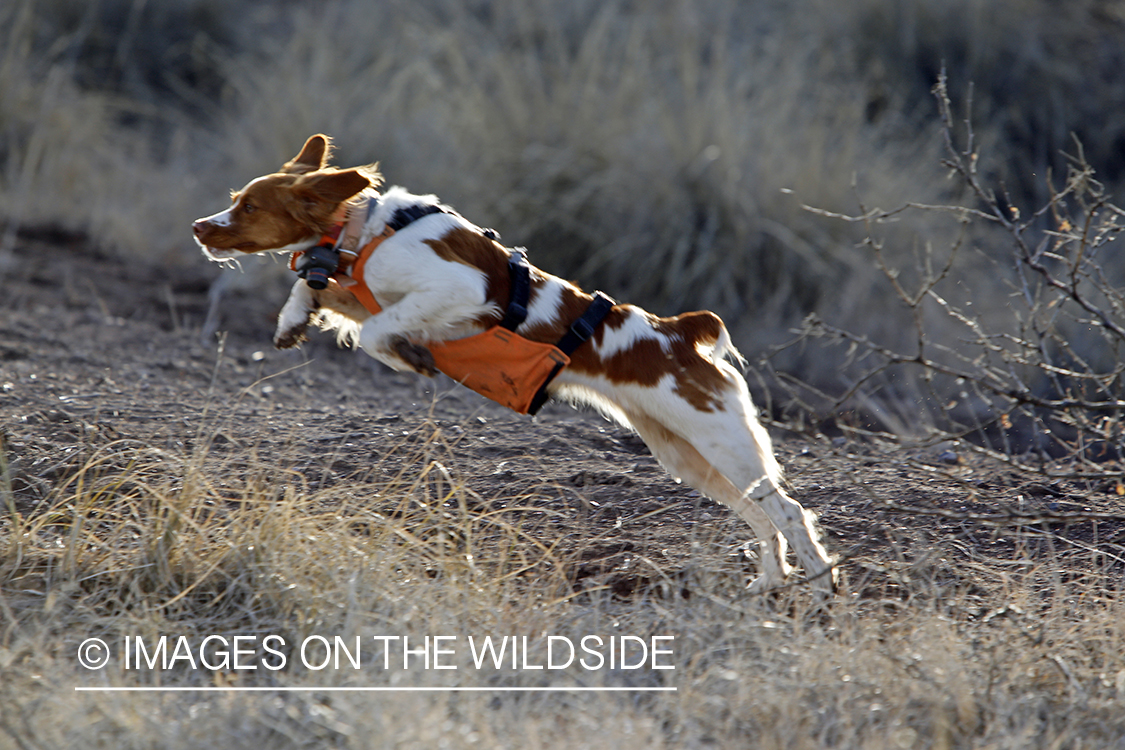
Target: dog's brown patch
{"points": [[698, 380], [461, 245], [675, 353]]}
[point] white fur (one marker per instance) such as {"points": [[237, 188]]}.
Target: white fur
{"points": [[221, 219], [544, 306], [637, 327]]}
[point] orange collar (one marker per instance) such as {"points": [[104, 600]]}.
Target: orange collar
{"points": [[349, 274], [343, 236], [348, 223]]}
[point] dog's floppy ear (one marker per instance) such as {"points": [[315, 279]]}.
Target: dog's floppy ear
{"points": [[313, 156], [332, 187]]}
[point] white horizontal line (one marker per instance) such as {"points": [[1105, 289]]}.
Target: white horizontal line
{"points": [[376, 689]]}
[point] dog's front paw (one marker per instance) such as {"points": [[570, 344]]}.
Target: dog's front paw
{"points": [[417, 356], [291, 336], [294, 319], [291, 333]]}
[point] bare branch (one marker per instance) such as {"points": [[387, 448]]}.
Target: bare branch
{"points": [[1050, 379]]}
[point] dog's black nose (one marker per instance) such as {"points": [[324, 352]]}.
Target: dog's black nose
{"points": [[197, 227]]}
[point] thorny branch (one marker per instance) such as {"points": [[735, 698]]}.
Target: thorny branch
{"points": [[1037, 381]]}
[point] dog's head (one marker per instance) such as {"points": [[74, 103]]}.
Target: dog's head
{"points": [[285, 211]]}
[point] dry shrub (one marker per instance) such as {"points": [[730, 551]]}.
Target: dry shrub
{"points": [[1042, 71], [88, 142], [50, 133], [1032, 377], [645, 153]]}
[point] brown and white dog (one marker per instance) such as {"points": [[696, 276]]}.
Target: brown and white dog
{"points": [[441, 278]]}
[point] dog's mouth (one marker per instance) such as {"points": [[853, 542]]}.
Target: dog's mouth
{"points": [[226, 253], [242, 249], [220, 254]]}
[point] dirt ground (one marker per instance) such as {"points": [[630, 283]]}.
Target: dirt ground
{"points": [[96, 351]]}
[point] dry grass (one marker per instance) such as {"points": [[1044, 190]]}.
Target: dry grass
{"points": [[934, 649]]}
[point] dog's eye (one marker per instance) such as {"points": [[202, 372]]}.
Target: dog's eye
{"points": [[248, 208]]}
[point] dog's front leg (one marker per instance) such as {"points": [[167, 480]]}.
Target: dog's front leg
{"points": [[294, 318], [400, 353], [388, 336], [417, 357], [396, 350]]}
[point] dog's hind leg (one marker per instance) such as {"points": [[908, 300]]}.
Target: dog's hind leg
{"points": [[733, 441], [729, 442], [744, 455], [798, 525], [683, 461]]}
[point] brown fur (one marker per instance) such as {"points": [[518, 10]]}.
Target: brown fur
{"points": [[282, 209], [477, 251], [314, 155], [646, 362]]}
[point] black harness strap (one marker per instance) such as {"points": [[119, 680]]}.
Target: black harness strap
{"points": [[409, 214], [520, 271], [579, 333], [583, 328]]}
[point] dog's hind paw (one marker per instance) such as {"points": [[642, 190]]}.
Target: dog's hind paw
{"points": [[764, 584], [416, 356]]}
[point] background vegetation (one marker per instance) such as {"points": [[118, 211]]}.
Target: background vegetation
{"points": [[668, 153], [662, 155]]}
